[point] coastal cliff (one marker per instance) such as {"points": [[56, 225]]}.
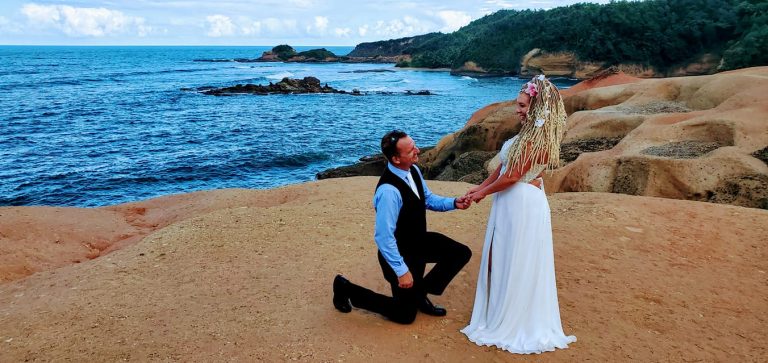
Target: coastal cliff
{"points": [[697, 138], [644, 39], [567, 64]]}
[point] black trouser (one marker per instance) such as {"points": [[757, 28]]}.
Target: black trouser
{"points": [[449, 257]]}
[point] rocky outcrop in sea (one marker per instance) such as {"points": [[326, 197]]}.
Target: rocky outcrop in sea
{"points": [[294, 86], [285, 86]]}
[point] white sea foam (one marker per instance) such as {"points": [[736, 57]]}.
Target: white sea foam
{"points": [[280, 75], [468, 78]]}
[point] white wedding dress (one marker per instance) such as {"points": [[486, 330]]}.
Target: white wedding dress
{"points": [[516, 306]]}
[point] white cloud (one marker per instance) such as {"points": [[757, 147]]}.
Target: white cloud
{"points": [[504, 4], [251, 27], [7, 26], [302, 3], [280, 27], [408, 26], [219, 26], [363, 30], [342, 32], [453, 20], [321, 23], [95, 22], [318, 27]]}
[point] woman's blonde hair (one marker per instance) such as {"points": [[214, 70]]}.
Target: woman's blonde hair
{"points": [[541, 135]]}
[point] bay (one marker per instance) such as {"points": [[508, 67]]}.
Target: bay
{"points": [[95, 126]]}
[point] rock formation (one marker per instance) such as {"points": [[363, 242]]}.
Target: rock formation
{"points": [[567, 64], [285, 86], [695, 138]]}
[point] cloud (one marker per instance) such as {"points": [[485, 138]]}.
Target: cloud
{"points": [[321, 23], [407, 26], [342, 32], [251, 27], [219, 26], [280, 27], [363, 30], [504, 4], [453, 20], [318, 27], [7, 26], [94, 22]]}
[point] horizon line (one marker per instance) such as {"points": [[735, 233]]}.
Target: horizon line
{"points": [[166, 45]]}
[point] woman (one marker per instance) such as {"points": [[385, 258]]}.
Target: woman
{"points": [[516, 305]]}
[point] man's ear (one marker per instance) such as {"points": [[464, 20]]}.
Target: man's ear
{"points": [[396, 160]]}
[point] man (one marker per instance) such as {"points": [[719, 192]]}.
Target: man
{"points": [[405, 246]]}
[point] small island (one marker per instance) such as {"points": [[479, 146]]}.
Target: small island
{"points": [[286, 53], [288, 86], [285, 86]]}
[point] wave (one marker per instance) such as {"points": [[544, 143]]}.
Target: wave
{"points": [[468, 78], [369, 71], [280, 75], [163, 71], [301, 159], [112, 77], [214, 60]]}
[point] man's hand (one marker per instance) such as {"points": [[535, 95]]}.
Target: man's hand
{"points": [[405, 281], [462, 202]]}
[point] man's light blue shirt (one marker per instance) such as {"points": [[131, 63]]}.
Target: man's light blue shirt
{"points": [[387, 201]]}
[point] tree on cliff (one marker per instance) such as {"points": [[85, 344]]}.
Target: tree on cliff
{"points": [[752, 48], [660, 33]]}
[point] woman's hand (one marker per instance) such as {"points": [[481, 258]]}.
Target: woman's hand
{"points": [[476, 196], [474, 189]]}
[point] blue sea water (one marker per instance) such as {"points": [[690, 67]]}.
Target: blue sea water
{"points": [[94, 126]]}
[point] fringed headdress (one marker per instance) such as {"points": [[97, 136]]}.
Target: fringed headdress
{"points": [[541, 135]]}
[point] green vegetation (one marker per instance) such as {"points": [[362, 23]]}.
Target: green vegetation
{"points": [[284, 51], [659, 33], [319, 54], [752, 48], [392, 47]]}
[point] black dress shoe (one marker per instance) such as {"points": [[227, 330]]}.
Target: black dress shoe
{"points": [[340, 297], [426, 307]]}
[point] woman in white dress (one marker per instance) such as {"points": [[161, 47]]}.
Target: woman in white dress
{"points": [[516, 306]]}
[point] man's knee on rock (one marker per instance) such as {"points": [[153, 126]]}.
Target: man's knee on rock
{"points": [[466, 254], [405, 317]]}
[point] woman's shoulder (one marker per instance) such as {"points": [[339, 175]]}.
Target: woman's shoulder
{"points": [[509, 142]]}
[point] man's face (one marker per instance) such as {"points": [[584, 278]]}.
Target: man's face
{"points": [[407, 153]]}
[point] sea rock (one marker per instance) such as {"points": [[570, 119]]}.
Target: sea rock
{"points": [[469, 167], [486, 130], [285, 86], [567, 64], [471, 69], [697, 138], [367, 166]]}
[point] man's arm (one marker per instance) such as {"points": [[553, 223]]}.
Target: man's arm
{"points": [[387, 202], [436, 202]]}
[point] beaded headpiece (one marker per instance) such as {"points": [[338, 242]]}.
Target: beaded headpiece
{"points": [[542, 134]]}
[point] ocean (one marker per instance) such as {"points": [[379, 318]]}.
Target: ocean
{"points": [[96, 126]]}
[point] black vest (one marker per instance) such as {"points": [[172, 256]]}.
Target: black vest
{"points": [[412, 220]]}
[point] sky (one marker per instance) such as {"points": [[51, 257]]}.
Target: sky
{"points": [[240, 22]]}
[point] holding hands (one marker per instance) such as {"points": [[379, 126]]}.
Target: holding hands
{"points": [[475, 194], [462, 202]]}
